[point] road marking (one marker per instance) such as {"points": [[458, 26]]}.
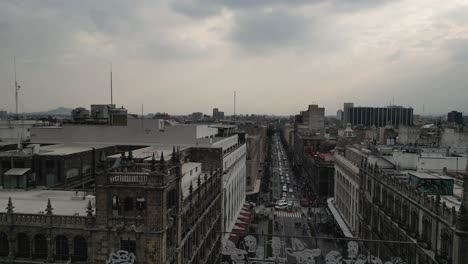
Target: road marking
{"points": [[287, 214]]}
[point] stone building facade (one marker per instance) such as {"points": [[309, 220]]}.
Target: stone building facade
{"points": [[157, 212], [391, 209]]}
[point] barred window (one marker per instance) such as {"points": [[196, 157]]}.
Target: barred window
{"points": [[40, 246], [61, 248], [23, 245], [80, 249], [4, 248]]}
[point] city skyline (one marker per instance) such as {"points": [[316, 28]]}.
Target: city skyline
{"points": [[184, 56]]}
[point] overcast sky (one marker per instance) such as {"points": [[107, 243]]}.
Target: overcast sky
{"points": [[182, 56]]}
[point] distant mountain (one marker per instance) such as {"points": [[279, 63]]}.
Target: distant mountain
{"points": [[60, 111]]}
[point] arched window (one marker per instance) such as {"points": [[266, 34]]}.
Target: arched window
{"points": [[390, 204], [446, 245], [40, 246], [23, 245], [61, 248], [80, 249], [4, 248], [384, 199], [414, 223], [128, 203], [427, 231], [404, 215]]}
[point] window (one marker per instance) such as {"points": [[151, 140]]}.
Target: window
{"points": [[128, 245], [80, 249], [128, 204], [40, 246], [115, 203], [49, 164], [445, 247], [4, 248], [427, 231], [414, 222], [141, 203], [61, 248], [23, 245]]}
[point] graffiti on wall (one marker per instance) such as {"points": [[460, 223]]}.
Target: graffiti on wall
{"points": [[248, 250], [121, 257]]}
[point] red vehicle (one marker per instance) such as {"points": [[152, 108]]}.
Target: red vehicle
{"points": [[305, 201]]}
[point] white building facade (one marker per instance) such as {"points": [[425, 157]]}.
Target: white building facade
{"points": [[347, 190]]}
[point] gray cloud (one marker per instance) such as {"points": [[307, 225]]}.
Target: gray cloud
{"points": [[262, 31], [203, 8], [164, 49], [458, 48]]}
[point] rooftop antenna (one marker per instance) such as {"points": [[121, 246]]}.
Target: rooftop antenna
{"points": [[17, 87], [234, 105], [111, 83]]}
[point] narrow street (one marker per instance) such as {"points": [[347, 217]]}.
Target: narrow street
{"points": [[296, 227]]}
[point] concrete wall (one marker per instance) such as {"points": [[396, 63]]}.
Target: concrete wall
{"points": [[428, 162], [233, 157], [204, 131], [12, 130], [138, 131], [451, 138], [407, 135], [405, 161], [438, 164], [226, 143]]}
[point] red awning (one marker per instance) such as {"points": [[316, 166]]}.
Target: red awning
{"points": [[234, 238], [242, 225], [245, 215]]}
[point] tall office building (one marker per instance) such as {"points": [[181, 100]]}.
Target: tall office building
{"points": [[455, 117], [379, 116], [346, 106], [313, 119]]}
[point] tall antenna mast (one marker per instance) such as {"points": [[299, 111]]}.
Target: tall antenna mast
{"points": [[234, 105], [112, 102], [17, 87]]}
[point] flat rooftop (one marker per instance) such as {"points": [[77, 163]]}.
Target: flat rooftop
{"points": [[68, 149], [146, 153], [429, 176], [373, 159], [223, 126], [35, 201], [55, 149]]}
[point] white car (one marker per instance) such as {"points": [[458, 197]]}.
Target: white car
{"points": [[285, 189], [290, 190], [281, 207]]}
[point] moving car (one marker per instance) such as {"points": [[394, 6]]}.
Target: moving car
{"points": [[281, 206]]}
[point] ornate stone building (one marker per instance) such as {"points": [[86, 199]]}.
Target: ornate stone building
{"points": [[393, 209], [160, 212]]}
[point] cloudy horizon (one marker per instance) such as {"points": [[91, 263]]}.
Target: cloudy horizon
{"points": [[183, 56]]}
